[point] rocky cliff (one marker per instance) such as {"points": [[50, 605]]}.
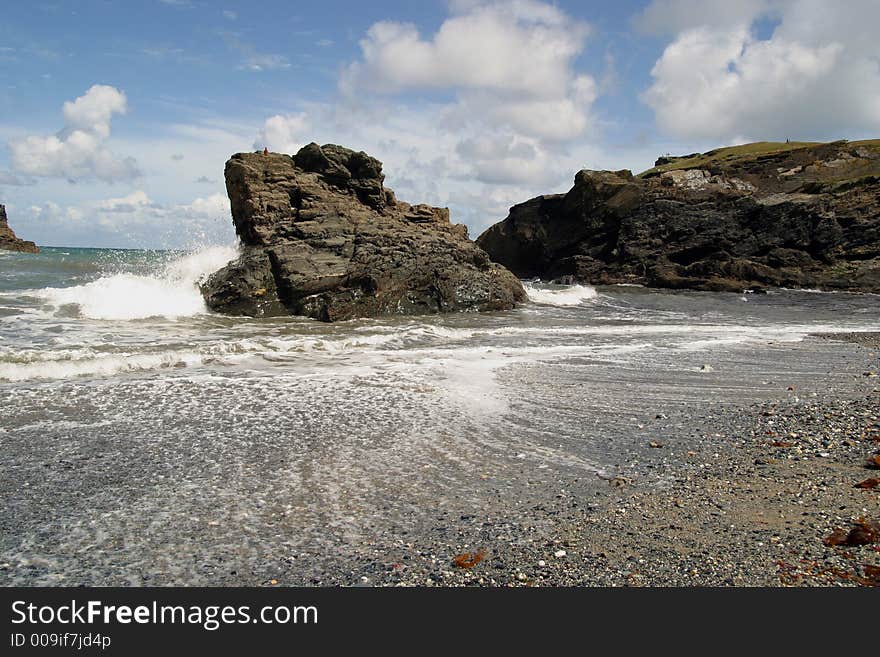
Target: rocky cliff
{"points": [[789, 215], [9, 241], [322, 237]]}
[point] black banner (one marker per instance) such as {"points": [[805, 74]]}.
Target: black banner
{"points": [[120, 621]]}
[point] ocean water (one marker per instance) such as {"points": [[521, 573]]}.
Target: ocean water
{"points": [[143, 435]]}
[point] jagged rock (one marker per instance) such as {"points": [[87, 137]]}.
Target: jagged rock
{"points": [[732, 219], [9, 241], [322, 237]]}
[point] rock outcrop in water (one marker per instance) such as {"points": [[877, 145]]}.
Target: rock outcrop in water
{"points": [[322, 237], [788, 215], [9, 241]]}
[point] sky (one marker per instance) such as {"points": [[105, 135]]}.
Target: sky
{"points": [[116, 118]]}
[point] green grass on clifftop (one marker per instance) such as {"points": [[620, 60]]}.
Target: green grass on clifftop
{"points": [[732, 154]]}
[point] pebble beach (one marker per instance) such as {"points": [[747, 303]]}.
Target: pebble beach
{"points": [[749, 500]]}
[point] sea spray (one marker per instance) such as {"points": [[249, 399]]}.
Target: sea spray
{"points": [[171, 292], [558, 295]]}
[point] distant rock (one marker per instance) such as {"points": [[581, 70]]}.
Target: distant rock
{"points": [[748, 217], [9, 241], [322, 237]]}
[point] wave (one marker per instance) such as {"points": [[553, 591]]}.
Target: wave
{"points": [[568, 295], [110, 365], [170, 293]]}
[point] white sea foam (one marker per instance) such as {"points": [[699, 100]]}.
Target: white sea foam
{"points": [[569, 295], [466, 355], [107, 365], [171, 293]]}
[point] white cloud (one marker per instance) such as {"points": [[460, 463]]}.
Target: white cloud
{"points": [[508, 62], [230, 15], [79, 150], [126, 204], [284, 133], [498, 46], [53, 213], [504, 159], [511, 115], [816, 77], [215, 205]]}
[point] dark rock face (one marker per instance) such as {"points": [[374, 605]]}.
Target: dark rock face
{"points": [[322, 237], [9, 241], [805, 217]]}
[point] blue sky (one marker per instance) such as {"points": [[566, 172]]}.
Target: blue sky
{"points": [[116, 117]]}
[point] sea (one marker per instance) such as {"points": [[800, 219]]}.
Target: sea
{"points": [[131, 416]]}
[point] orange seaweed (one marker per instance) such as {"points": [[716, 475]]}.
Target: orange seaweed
{"points": [[469, 559]]}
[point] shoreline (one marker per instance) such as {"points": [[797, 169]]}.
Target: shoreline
{"points": [[751, 503], [729, 493], [869, 339]]}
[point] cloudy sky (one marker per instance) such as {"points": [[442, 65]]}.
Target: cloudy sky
{"points": [[116, 117]]}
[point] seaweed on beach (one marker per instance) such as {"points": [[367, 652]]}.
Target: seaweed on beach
{"points": [[864, 532], [469, 559]]}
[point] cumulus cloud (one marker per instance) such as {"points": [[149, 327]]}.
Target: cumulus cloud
{"points": [[79, 150], [510, 63], [503, 46], [52, 213], [817, 76], [504, 159], [215, 205], [133, 202], [284, 133]]}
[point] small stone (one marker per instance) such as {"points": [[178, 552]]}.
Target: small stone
{"points": [[542, 563], [559, 554]]}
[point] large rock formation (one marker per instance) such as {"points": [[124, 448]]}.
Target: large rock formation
{"points": [[9, 241], [789, 215], [322, 237]]}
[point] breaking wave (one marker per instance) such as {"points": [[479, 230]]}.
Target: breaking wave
{"points": [[568, 295], [171, 293]]}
